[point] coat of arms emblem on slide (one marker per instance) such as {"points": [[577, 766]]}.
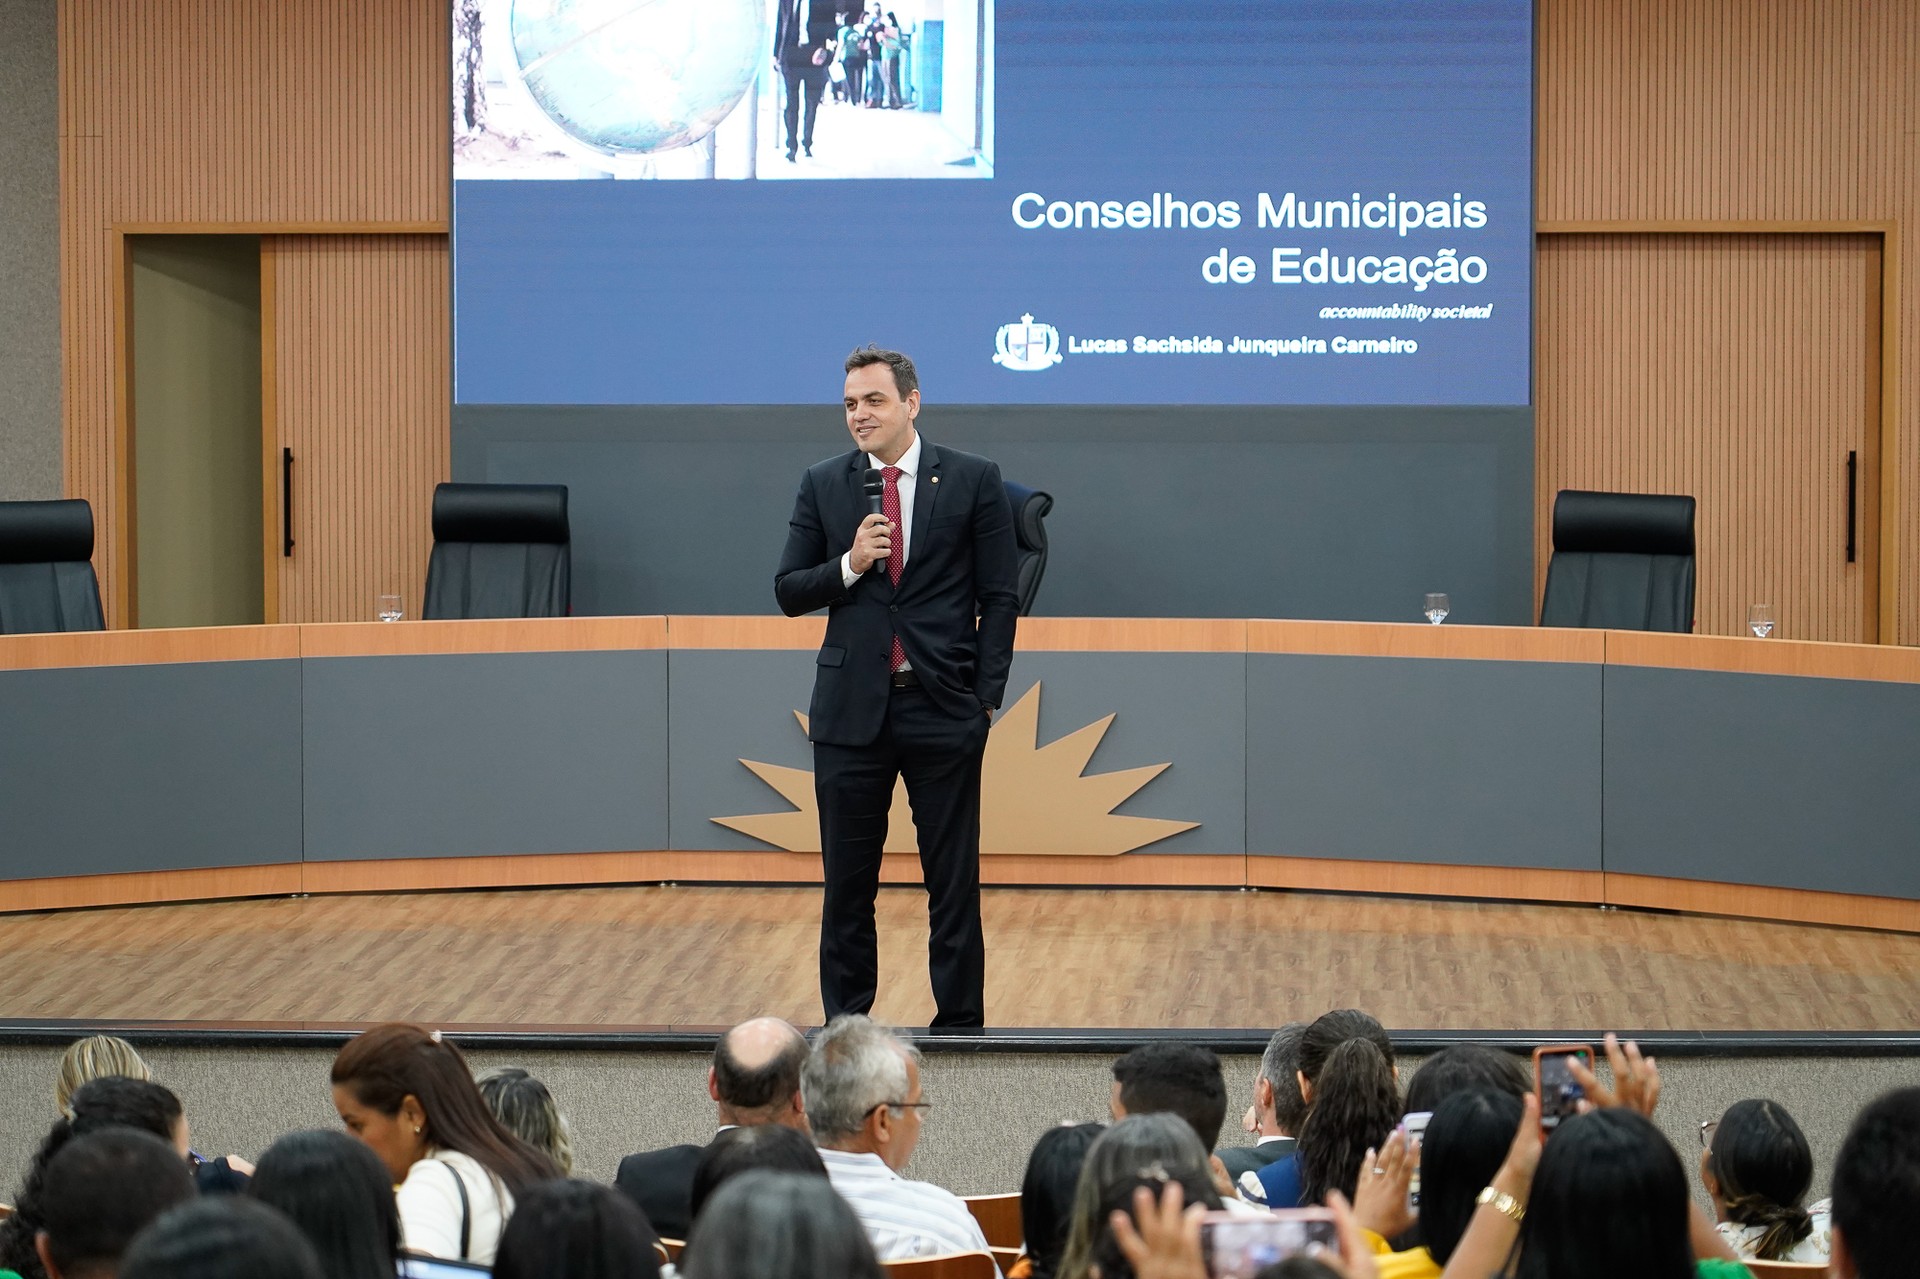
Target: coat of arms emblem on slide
{"points": [[1027, 347]]}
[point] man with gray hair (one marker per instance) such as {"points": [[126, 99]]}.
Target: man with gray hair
{"points": [[1274, 1118], [861, 1085]]}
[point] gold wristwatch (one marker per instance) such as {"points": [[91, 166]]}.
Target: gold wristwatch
{"points": [[1502, 1203]]}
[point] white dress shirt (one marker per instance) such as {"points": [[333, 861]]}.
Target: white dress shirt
{"points": [[909, 465], [903, 1218]]}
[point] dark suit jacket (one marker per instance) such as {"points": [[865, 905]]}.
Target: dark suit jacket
{"points": [[661, 1182], [1239, 1159], [955, 609], [793, 47]]}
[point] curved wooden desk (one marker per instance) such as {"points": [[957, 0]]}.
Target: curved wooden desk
{"points": [[1765, 778]]}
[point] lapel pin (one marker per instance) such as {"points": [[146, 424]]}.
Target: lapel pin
{"points": [[933, 479]]}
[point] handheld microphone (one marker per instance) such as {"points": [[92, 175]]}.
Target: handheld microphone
{"points": [[875, 486]]}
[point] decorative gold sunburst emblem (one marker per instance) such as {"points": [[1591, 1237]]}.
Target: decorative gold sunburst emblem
{"points": [[1033, 799]]}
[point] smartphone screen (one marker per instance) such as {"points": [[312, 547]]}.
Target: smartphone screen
{"points": [[1415, 1125], [1241, 1247], [1560, 1093]]}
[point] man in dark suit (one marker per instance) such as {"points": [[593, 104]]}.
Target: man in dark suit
{"points": [[1275, 1116], [922, 605], [754, 1079], [803, 37]]}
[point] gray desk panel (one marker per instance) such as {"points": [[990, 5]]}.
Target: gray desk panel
{"points": [[175, 766], [1478, 763], [1763, 779], [1186, 709], [477, 754]]}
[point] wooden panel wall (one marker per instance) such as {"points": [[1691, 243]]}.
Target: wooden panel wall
{"points": [[332, 114], [362, 396], [245, 115], [1737, 368], [1700, 111]]}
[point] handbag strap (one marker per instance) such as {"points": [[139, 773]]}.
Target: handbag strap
{"points": [[466, 1207]]}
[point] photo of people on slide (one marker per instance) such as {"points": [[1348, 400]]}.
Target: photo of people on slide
{"points": [[690, 89]]}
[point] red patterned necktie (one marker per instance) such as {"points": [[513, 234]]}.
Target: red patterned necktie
{"points": [[890, 507]]}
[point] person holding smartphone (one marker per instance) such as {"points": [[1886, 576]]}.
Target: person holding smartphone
{"points": [[1603, 1195]]}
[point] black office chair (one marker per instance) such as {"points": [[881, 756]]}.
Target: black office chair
{"points": [[46, 568], [1622, 561], [500, 550], [1030, 507]]}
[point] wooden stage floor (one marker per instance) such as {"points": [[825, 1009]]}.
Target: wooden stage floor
{"points": [[660, 957]]}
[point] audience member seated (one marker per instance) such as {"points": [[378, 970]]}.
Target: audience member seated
{"points": [[1757, 1171], [1046, 1196], [409, 1096], [109, 1102], [95, 1057], [767, 1147], [1161, 1238], [862, 1088], [1274, 1118], [1606, 1197], [1876, 1190], [779, 1225], [1170, 1077], [576, 1230], [1466, 1142], [101, 1191], [1458, 1067], [1353, 1102], [226, 1237], [754, 1079], [339, 1194], [1160, 1146], [526, 1109]]}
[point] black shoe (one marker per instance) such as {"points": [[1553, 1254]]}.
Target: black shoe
{"points": [[809, 151], [789, 155]]}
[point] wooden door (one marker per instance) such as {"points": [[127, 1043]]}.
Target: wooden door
{"points": [[1742, 369]]}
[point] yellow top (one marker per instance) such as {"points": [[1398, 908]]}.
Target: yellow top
{"points": [[1415, 1263]]}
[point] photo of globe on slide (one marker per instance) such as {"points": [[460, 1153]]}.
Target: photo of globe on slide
{"points": [[689, 89]]}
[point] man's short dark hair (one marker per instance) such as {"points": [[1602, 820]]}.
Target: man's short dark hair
{"points": [[1168, 1077], [905, 380], [103, 1189], [1876, 1185], [1280, 1067], [767, 1087], [1458, 1067]]}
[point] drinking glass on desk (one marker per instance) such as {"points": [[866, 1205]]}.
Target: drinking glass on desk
{"points": [[1760, 620], [390, 608], [1437, 607]]}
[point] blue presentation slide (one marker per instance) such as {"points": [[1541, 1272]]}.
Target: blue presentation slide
{"points": [[1288, 202]]}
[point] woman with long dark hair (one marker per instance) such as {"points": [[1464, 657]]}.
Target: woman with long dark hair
{"points": [[1046, 1194], [1757, 1171], [1605, 1197], [409, 1096], [108, 1102], [1353, 1102], [338, 1193], [577, 1230], [778, 1225], [1466, 1142]]}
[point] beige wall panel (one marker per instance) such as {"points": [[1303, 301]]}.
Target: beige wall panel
{"points": [[1780, 110], [237, 115], [364, 381], [1736, 368]]}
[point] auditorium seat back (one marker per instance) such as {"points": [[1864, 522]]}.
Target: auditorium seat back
{"points": [[500, 550], [46, 568], [1621, 561], [1030, 507]]}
